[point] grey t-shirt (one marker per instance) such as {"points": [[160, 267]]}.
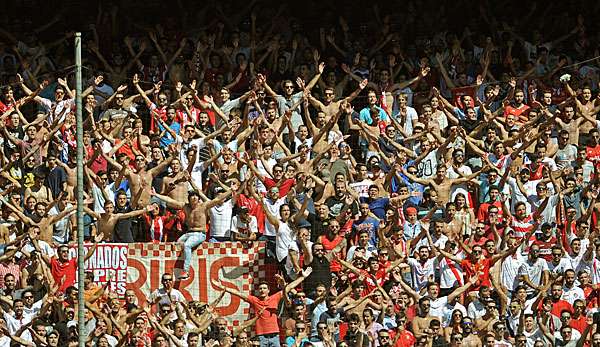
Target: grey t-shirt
{"points": [[565, 156]]}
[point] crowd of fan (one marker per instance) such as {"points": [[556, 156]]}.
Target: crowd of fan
{"points": [[432, 189]]}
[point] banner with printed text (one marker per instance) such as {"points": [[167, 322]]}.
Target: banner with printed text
{"points": [[108, 263], [236, 265]]}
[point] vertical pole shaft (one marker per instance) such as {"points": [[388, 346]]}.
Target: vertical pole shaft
{"points": [[80, 249]]}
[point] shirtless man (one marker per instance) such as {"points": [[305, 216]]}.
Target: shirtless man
{"points": [[108, 219], [485, 323], [45, 222], [140, 179], [586, 105], [331, 107], [422, 319], [570, 123], [195, 222], [469, 339], [176, 185], [325, 123], [440, 183]]}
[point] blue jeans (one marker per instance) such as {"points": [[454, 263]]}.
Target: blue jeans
{"points": [[190, 240], [271, 340]]}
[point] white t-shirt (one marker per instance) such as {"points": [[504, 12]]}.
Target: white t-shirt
{"points": [[59, 107], [285, 240], [428, 166], [510, 271], [14, 324], [244, 229], [534, 271], [421, 272], [35, 308], [437, 307], [273, 207], [572, 294], [448, 273], [164, 298], [61, 227], [221, 219], [362, 188]]}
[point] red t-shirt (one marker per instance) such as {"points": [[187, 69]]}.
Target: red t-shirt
{"points": [[127, 150], [558, 307], [482, 267], [482, 212], [267, 322], [254, 209], [406, 339], [545, 247], [66, 270], [517, 111], [591, 296], [458, 92], [284, 188], [328, 245], [99, 164], [3, 107], [580, 323], [592, 153]]}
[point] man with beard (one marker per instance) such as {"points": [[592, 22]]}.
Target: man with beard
{"points": [[62, 268], [109, 222], [571, 292], [440, 183], [354, 336], [423, 318], [287, 101], [319, 260], [163, 101], [534, 271], [265, 304], [331, 107], [545, 241], [470, 339], [477, 263]]}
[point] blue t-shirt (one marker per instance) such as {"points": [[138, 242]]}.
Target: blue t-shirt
{"points": [[365, 115], [377, 206], [461, 115], [369, 224], [168, 139]]}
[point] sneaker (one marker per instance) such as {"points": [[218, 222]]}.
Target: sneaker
{"points": [[184, 275]]}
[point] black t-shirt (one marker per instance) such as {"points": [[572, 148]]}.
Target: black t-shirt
{"points": [[321, 274], [336, 205], [318, 226], [9, 147], [123, 232], [54, 181], [352, 338]]}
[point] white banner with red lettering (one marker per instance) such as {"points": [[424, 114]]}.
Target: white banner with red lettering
{"points": [[237, 267]]}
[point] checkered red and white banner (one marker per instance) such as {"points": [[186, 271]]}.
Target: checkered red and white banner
{"points": [[237, 266]]}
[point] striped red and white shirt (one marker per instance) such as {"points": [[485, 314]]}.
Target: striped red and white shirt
{"points": [[521, 227]]}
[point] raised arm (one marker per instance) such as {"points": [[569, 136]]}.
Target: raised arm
{"points": [[170, 201], [231, 291]]}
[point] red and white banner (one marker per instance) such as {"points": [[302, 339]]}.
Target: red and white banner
{"points": [[237, 267], [108, 263]]}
